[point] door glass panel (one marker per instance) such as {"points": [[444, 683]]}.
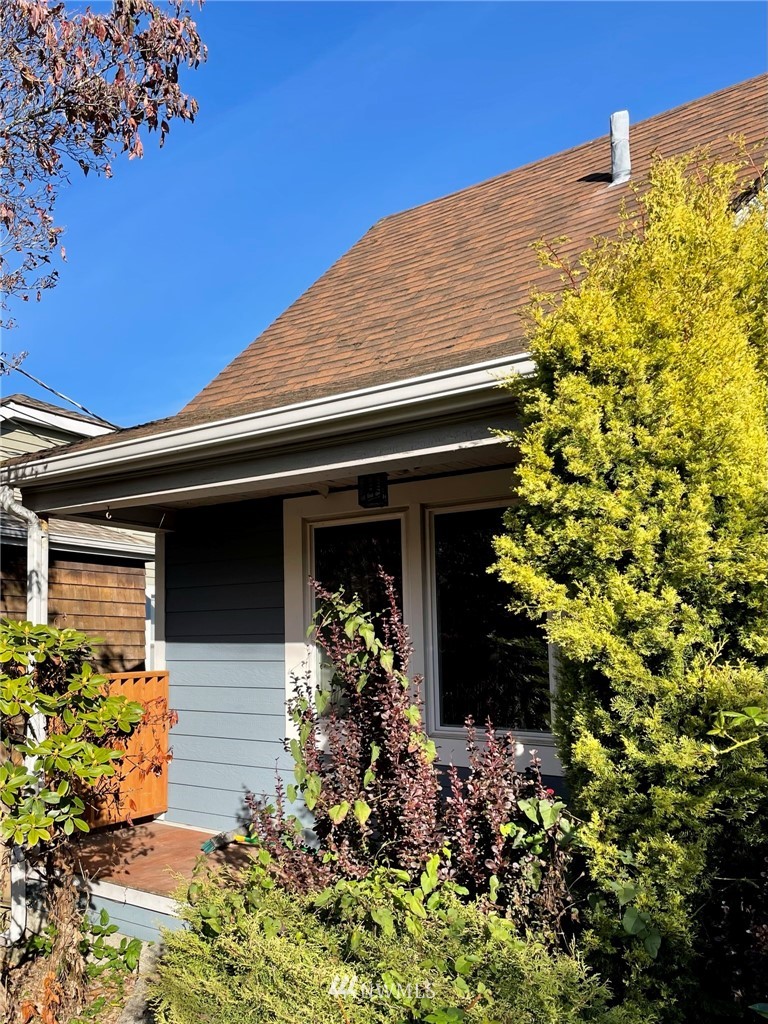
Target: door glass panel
{"points": [[491, 662], [349, 557]]}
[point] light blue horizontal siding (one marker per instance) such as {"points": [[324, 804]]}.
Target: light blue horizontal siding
{"points": [[228, 777], [191, 653], [213, 785], [221, 572], [194, 750], [134, 921], [224, 547], [243, 700], [220, 809], [256, 675], [235, 623], [226, 597], [224, 649], [224, 725], [216, 822]]}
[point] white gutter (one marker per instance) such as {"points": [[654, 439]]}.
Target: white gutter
{"points": [[37, 612], [301, 419]]}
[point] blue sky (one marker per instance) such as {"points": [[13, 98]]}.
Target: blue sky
{"points": [[316, 120]]}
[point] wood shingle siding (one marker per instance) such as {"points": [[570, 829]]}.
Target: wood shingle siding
{"points": [[224, 650], [103, 597]]}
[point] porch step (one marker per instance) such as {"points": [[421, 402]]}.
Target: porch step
{"points": [[131, 872]]}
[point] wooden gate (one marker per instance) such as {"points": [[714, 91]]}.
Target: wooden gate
{"points": [[139, 789]]}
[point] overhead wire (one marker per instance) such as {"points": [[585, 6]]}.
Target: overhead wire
{"points": [[9, 366]]}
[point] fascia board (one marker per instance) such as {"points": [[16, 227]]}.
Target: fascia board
{"points": [[262, 472], [38, 417], [306, 419]]}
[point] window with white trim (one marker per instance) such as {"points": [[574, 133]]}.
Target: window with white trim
{"points": [[477, 657], [488, 661]]}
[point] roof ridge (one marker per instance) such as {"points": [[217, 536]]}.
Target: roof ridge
{"points": [[567, 152]]}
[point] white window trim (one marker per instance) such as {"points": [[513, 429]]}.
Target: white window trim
{"points": [[415, 503]]}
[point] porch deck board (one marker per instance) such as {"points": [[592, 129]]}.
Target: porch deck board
{"points": [[150, 856]]}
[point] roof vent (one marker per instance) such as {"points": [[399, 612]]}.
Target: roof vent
{"points": [[621, 166]]}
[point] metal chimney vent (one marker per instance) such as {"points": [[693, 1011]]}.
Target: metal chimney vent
{"points": [[621, 167]]}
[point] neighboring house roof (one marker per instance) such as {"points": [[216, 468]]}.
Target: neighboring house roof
{"points": [[29, 425], [25, 404], [66, 535], [442, 286]]}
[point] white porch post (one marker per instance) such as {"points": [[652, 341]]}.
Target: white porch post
{"points": [[159, 654], [37, 613], [37, 571]]}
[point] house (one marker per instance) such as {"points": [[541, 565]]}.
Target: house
{"points": [[100, 580], [356, 431]]}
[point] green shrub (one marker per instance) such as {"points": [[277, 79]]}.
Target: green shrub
{"points": [[45, 674], [640, 539], [375, 950], [60, 733]]}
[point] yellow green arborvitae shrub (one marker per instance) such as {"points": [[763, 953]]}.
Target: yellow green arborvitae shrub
{"points": [[641, 534]]}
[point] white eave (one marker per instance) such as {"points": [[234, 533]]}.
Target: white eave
{"points": [[76, 425], [343, 413]]}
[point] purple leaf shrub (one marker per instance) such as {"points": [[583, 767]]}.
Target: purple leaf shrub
{"points": [[366, 772]]}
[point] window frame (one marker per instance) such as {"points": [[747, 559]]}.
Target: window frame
{"points": [[415, 503], [432, 682]]}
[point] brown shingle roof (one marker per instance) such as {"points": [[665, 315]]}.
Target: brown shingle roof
{"points": [[439, 286]]}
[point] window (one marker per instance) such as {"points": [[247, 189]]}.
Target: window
{"points": [[477, 658], [349, 556], [490, 662]]}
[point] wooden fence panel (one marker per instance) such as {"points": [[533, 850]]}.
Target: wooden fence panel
{"points": [[139, 789]]}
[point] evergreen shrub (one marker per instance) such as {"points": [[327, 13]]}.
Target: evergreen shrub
{"points": [[639, 537], [370, 951]]}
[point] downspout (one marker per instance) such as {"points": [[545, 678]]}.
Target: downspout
{"points": [[37, 612]]}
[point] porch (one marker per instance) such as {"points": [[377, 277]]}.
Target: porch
{"points": [[152, 857], [132, 860], [132, 870]]}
